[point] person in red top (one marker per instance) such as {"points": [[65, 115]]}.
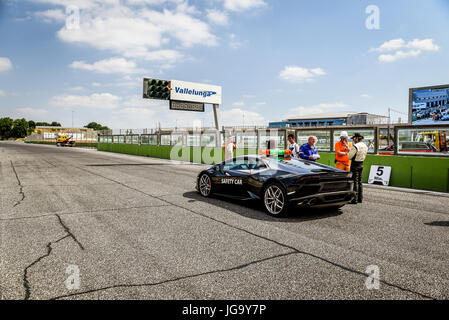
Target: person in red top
{"points": [[342, 149]]}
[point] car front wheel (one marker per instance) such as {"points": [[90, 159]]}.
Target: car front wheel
{"points": [[275, 200], [205, 185]]}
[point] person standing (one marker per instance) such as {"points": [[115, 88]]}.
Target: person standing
{"points": [[342, 149], [358, 155], [293, 146], [309, 151], [229, 148]]}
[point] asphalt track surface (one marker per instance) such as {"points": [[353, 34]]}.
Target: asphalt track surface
{"points": [[135, 228]]}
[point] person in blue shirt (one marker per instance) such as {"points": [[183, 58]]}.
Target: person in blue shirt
{"points": [[309, 151]]}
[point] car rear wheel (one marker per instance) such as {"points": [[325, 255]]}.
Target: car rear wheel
{"points": [[205, 185], [275, 200]]}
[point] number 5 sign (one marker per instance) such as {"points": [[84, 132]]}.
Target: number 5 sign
{"points": [[380, 174]]}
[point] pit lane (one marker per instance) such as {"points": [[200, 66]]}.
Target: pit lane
{"points": [[137, 229]]}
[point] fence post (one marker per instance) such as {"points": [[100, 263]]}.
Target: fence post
{"points": [[376, 140], [396, 140], [332, 142]]}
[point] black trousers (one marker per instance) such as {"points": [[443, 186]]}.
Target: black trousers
{"points": [[357, 170]]}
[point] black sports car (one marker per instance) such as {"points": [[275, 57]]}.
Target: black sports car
{"points": [[277, 182]]}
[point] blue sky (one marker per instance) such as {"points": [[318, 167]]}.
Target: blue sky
{"points": [[274, 59]]}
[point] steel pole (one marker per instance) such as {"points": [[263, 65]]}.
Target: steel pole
{"points": [[216, 117]]}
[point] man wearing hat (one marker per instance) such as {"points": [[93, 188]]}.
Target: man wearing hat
{"points": [[342, 149], [357, 155]]}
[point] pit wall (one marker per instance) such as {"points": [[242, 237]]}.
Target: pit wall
{"points": [[427, 173]]}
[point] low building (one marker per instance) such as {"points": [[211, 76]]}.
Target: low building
{"points": [[50, 134], [331, 119]]}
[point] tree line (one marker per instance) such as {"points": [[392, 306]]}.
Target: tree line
{"points": [[21, 128]]}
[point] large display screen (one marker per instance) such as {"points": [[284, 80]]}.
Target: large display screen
{"points": [[429, 105]]}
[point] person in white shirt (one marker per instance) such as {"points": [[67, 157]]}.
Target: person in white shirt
{"points": [[293, 146], [357, 154], [229, 148]]}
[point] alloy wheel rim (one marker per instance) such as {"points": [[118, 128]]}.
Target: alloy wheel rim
{"points": [[274, 199], [205, 185]]}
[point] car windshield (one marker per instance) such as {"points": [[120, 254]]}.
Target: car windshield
{"points": [[243, 164]]}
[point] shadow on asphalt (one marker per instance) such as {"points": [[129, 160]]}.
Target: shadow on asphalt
{"points": [[257, 211], [438, 223]]}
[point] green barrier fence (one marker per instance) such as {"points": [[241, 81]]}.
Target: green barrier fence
{"points": [[427, 173], [415, 172]]}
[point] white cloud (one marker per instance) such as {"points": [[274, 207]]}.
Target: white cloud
{"points": [[400, 49], [5, 64], [140, 29], [166, 56], [138, 113], [123, 29], [318, 72], [32, 113], [236, 116], [145, 2], [243, 5], [234, 42], [217, 17], [398, 55], [366, 96], [391, 45], [109, 66], [82, 4], [238, 104], [185, 28], [261, 103], [315, 109], [128, 81], [135, 112], [96, 100], [52, 15], [299, 74], [96, 84], [424, 45], [79, 88], [138, 102], [115, 33], [2, 93]]}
